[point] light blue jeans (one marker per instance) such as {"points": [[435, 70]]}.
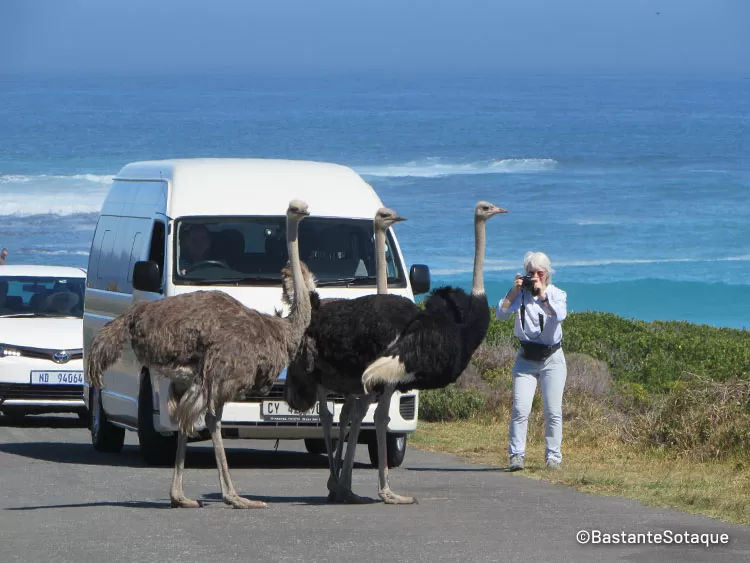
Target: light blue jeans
{"points": [[551, 374]]}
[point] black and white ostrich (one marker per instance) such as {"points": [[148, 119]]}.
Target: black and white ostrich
{"points": [[343, 338], [435, 347], [212, 348]]}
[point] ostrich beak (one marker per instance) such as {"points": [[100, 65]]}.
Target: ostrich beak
{"points": [[496, 210]]}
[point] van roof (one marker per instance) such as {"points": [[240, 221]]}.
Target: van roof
{"points": [[257, 186]]}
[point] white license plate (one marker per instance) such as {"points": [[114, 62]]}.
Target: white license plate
{"points": [[57, 378], [279, 411]]}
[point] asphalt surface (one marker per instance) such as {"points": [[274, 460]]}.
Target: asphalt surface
{"points": [[62, 501]]}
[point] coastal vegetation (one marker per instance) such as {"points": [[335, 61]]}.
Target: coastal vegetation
{"points": [[656, 411]]}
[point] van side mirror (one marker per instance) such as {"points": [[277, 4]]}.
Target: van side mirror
{"points": [[419, 276], [146, 276]]}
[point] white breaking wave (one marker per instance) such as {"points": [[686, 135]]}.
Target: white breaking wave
{"points": [[506, 265], [436, 167], [22, 179], [52, 194], [66, 252]]}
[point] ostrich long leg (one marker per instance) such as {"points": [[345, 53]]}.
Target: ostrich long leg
{"points": [[326, 419], [228, 492], [176, 494], [344, 487], [344, 418], [381, 429]]}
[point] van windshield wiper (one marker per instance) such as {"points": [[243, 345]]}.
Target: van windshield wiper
{"points": [[359, 280], [243, 280]]}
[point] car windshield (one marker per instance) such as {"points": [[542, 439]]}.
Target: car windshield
{"points": [[33, 296], [252, 251]]}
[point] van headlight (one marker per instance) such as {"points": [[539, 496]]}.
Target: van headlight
{"points": [[6, 351]]}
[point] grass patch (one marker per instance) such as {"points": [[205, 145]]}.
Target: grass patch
{"points": [[716, 488], [658, 412]]}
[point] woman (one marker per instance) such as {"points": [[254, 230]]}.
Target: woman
{"points": [[541, 308]]}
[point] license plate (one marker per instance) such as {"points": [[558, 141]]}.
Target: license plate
{"points": [[279, 411], [57, 378]]}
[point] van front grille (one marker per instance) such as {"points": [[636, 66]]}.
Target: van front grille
{"points": [[277, 393]]}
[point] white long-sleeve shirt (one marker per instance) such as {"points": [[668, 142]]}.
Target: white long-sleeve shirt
{"points": [[531, 331]]}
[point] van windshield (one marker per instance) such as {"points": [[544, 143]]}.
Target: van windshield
{"points": [[252, 251]]}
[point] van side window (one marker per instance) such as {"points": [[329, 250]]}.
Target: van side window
{"points": [[158, 245]]}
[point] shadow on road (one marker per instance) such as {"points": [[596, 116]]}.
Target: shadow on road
{"points": [[42, 421], [201, 457], [209, 501], [459, 469]]}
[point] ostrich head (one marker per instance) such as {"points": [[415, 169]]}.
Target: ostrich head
{"points": [[385, 218], [484, 210], [297, 210]]}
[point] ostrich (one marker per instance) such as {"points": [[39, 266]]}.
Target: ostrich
{"points": [[212, 348], [435, 347], [343, 338]]}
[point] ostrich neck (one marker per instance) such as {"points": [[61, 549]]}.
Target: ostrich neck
{"points": [[300, 311], [381, 269], [479, 244]]}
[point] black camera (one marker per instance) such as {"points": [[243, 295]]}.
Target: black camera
{"points": [[527, 283]]}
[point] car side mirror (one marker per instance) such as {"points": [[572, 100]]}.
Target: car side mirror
{"points": [[146, 276], [419, 276]]}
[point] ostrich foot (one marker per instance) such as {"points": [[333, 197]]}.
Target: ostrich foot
{"points": [[348, 497], [389, 497], [184, 502], [236, 501]]}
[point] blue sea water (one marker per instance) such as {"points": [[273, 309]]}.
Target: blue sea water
{"points": [[637, 187]]}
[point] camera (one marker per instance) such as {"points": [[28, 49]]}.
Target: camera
{"points": [[527, 283]]}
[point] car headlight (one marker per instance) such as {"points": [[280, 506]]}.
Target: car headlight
{"points": [[6, 351]]}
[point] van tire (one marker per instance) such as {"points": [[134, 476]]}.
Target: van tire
{"points": [[156, 449], [395, 449], [105, 436]]}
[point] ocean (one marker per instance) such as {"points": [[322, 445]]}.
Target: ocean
{"points": [[637, 187]]}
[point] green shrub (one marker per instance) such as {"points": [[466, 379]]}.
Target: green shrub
{"points": [[451, 403]]}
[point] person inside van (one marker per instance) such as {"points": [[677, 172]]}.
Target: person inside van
{"points": [[195, 246]]}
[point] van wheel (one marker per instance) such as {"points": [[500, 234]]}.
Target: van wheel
{"points": [[395, 449], [105, 436], [156, 448], [318, 445]]}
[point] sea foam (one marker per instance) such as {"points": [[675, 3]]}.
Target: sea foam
{"points": [[436, 167]]}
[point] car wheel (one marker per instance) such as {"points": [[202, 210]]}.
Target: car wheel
{"points": [[395, 449], [105, 436], [156, 449]]}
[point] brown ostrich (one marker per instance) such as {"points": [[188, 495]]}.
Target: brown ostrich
{"points": [[212, 348]]}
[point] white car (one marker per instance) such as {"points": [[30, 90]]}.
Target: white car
{"points": [[41, 340]]}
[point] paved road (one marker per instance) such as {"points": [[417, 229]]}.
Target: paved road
{"points": [[62, 501]]}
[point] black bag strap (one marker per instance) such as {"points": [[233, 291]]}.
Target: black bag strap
{"points": [[523, 317]]}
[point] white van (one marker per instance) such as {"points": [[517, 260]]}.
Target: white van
{"points": [[155, 216]]}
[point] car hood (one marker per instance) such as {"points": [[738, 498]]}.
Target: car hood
{"points": [[40, 332]]}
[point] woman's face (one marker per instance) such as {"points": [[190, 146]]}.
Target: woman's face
{"points": [[539, 277]]}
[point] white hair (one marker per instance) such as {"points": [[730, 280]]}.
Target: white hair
{"points": [[538, 261]]}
